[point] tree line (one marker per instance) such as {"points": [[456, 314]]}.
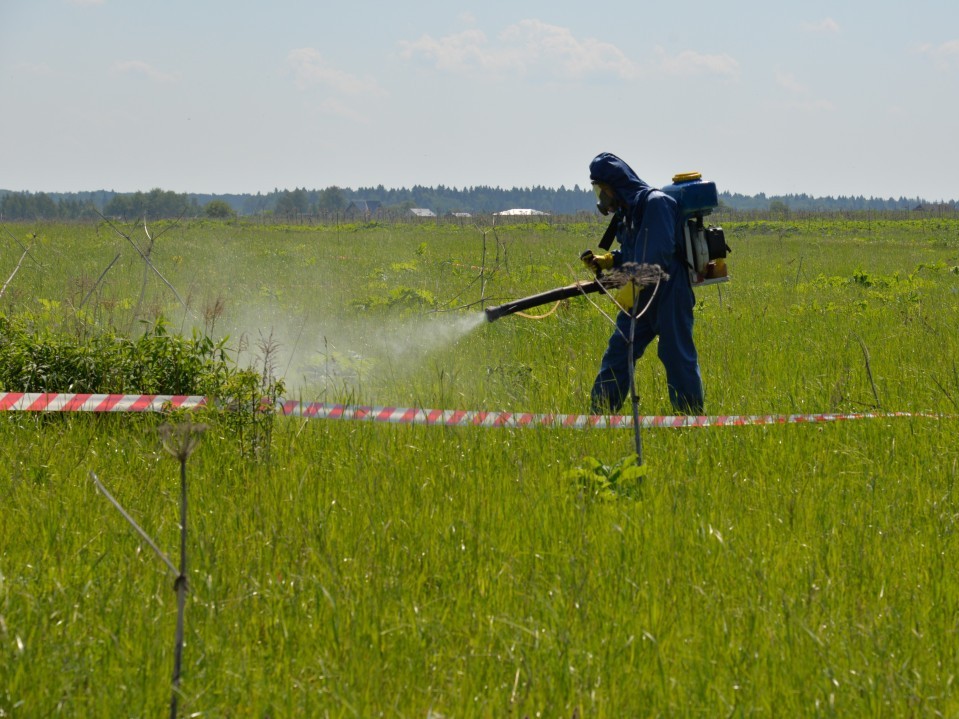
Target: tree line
{"points": [[442, 200], [90, 205]]}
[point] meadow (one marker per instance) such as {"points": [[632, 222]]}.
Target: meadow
{"points": [[355, 569]]}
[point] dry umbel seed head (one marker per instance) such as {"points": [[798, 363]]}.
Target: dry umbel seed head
{"points": [[180, 440], [640, 274]]}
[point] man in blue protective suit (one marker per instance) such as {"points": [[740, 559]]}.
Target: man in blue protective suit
{"points": [[648, 228]]}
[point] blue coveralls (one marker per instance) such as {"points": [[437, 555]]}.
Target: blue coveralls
{"points": [[649, 233]]}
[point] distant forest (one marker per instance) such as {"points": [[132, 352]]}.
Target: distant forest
{"points": [[342, 202]]}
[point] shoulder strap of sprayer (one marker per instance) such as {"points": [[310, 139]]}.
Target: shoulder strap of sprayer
{"points": [[610, 233]]}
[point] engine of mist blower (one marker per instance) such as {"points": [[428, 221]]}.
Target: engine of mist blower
{"points": [[706, 247]]}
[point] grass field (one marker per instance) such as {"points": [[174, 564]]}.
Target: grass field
{"points": [[363, 570]]}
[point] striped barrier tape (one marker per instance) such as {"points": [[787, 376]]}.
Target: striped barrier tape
{"points": [[54, 402], [467, 418], [57, 402]]}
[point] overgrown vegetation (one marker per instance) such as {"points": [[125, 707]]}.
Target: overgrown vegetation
{"points": [[37, 359], [365, 569], [34, 358]]}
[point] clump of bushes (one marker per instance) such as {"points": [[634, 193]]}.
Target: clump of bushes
{"points": [[36, 359], [157, 362]]}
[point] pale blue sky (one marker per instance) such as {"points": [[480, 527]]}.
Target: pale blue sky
{"points": [[826, 98]]}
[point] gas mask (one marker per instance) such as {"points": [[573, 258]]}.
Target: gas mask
{"points": [[606, 199]]}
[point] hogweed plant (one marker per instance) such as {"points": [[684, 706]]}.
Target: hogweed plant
{"points": [[180, 441]]}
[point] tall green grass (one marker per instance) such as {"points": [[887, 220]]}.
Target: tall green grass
{"points": [[378, 570]]}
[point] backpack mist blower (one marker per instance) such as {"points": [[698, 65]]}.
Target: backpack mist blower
{"points": [[704, 249]]}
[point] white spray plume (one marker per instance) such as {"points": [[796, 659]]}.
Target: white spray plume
{"points": [[336, 351], [421, 336]]}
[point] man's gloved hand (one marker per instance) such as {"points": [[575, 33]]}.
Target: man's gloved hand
{"points": [[597, 263], [625, 296]]}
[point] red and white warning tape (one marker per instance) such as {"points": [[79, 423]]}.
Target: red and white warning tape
{"points": [[53, 402], [464, 418]]}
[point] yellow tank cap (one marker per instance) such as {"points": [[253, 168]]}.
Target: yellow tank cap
{"points": [[687, 176]]}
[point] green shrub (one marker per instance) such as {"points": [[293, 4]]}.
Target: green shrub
{"points": [[38, 360]]}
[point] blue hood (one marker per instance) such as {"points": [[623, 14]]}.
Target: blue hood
{"points": [[609, 169]]}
